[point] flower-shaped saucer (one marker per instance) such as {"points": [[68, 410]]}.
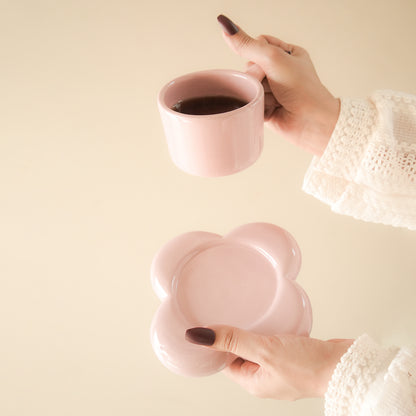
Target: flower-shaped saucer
{"points": [[244, 279]]}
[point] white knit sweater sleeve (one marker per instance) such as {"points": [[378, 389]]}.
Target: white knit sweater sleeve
{"points": [[372, 380], [368, 169]]}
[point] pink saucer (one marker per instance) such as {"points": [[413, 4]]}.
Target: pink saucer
{"points": [[244, 279]]}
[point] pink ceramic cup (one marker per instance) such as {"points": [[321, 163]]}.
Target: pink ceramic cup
{"points": [[215, 144]]}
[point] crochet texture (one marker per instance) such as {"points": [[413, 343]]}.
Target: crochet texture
{"points": [[368, 169], [371, 380]]}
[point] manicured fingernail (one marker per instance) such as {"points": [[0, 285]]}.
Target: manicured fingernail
{"points": [[229, 27], [201, 336]]}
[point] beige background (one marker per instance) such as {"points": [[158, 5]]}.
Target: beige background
{"points": [[88, 194]]}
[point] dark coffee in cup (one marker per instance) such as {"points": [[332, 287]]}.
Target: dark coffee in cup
{"points": [[208, 105]]}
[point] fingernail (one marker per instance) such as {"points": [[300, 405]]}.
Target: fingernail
{"points": [[201, 336], [229, 27]]}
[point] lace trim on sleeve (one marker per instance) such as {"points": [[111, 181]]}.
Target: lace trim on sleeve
{"points": [[329, 175], [368, 169]]}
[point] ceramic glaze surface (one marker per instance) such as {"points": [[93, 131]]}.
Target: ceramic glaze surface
{"points": [[244, 279], [217, 285]]}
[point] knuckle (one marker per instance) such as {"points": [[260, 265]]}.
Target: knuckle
{"points": [[272, 54], [300, 50], [262, 39], [243, 43], [265, 350], [257, 392], [230, 340]]}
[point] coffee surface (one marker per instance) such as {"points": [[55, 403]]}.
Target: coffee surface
{"points": [[208, 105]]}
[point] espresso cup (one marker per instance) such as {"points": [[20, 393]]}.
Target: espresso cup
{"points": [[218, 143]]}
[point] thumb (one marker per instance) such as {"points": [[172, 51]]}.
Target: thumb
{"points": [[242, 44], [245, 344]]}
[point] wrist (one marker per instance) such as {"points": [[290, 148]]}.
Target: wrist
{"points": [[326, 120], [335, 350]]}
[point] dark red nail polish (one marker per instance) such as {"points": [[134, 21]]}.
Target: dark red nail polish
{"points": [[228, 26], [201, 336]]}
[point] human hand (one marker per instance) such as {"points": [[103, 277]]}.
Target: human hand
{"points": [[284, 367], [297, 104]]}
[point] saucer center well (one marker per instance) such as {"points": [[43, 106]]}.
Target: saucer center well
{"points": [[226, 284]]}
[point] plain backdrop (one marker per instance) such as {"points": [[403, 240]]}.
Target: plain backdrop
{"points": [[88, 194]]}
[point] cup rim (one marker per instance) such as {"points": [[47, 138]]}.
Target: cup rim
{"points": [[259, 92]]}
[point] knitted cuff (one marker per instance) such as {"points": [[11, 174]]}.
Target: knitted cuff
{"points": [[359, 368]]}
